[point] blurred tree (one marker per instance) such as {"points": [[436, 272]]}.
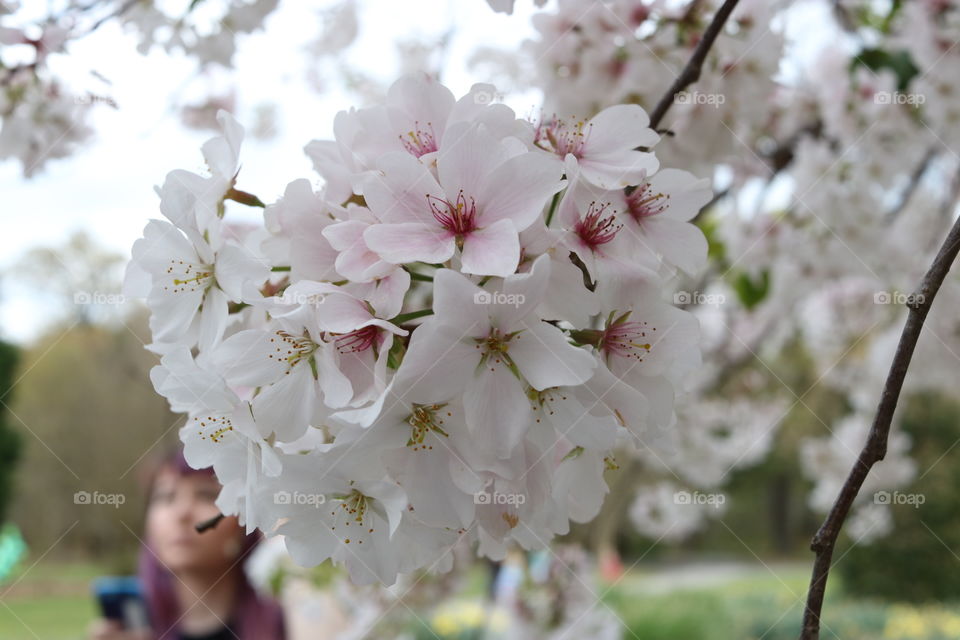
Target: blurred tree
{"points": [[87, 400], [80, 275], [10, 443], [918, 560]]}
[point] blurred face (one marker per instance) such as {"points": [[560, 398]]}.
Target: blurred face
{"points": [[177, 504]]}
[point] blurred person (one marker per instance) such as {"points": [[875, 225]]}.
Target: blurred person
{"points": [[194, 584]]}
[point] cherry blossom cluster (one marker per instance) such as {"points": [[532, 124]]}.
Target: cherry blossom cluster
{"points": [[836, 167], [446, 341], [42, 117]]}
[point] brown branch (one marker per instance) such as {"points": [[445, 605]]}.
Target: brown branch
{"points": [[912, 185], [876, 447], [691, 72]]}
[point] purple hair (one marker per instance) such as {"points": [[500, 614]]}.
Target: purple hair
{"points": [[254, 617]]}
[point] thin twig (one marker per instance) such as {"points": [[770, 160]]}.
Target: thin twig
{"points": [[912, 185], [691, 72], [876, 447]]}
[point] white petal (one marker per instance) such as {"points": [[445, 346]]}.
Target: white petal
{"points": [[410, 242], [546, 359], [497, 409]]}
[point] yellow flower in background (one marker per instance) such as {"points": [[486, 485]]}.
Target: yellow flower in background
{"points": [[454, 618], [921, 623]]}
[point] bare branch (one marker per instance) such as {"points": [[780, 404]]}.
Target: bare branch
{"points": [[912, 185], [691, 72], [876, 446]]}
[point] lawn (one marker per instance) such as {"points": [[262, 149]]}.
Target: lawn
{"points": [[50, 601]]}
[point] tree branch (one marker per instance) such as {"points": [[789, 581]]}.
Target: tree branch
{"points": [[912, 185], [876, 446], [691, 72]]}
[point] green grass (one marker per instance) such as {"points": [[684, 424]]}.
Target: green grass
{"points": [[50, 601], [767, 603], [48, 618]]}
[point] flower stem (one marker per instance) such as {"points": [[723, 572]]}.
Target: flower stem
{"points": [[413, 315]]}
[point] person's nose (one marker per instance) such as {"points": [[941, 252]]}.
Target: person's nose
{"points": [[186, 511]]}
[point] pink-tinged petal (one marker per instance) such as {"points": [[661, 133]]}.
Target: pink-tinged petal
{"points": [[325, 156], [343, 235], [336, 387], [285, 407], [222, 152], [417, 100], [687, 193], [660, 397], [188, 387], [250, 358], [213, 318], [181, 193], [680, 243], [366, 416], [172, 313], [439, 362], [425, 476], [456, 300], [628, 404], [341, 313], [301, 215], [236, 265], [468, 155], [398, 192], [620, 127], [497, 410], [575, 422], [567, 213], [522, 293], [475, 106], [669, 331], [308, 541], [491, 251], [356, 261], [161, 244], [619, 169], [519, 189], [546, 359], [386, 294], [579, 483], [566, 298], [136, 280], [410, 242]]}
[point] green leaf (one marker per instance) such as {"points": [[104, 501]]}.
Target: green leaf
{"points": [[751, 292], [897, 61]]}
